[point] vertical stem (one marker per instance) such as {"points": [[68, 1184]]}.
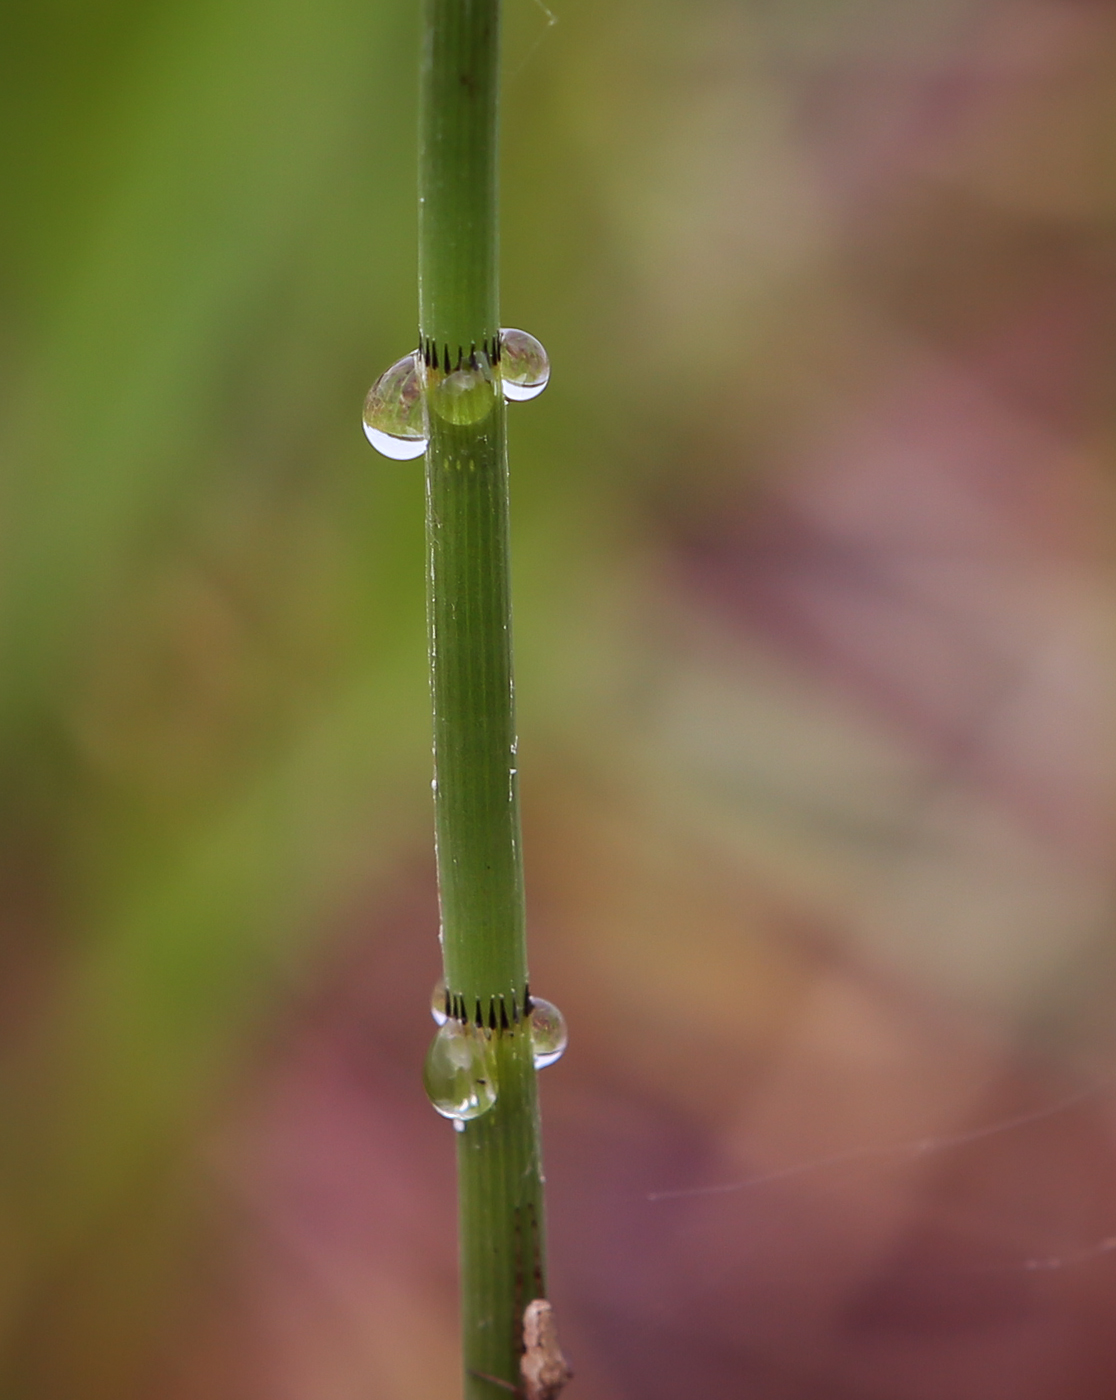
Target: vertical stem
{"points": [[458, 279], [480, 879]]}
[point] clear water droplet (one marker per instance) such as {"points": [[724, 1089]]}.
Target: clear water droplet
{"points": [[458, 1073], [465, 395], [524, 365], [394, 413], [458, 1125], [549, 1035], [438, 1002]]}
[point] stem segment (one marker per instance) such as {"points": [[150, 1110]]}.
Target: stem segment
{"points": [[480, 878]]}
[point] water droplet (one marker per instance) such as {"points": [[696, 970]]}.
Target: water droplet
{"points": [[465, 395], [548, 1032], [524, 365], [458, 1072], [394, 414], [458, 1125], [438, 1002]]}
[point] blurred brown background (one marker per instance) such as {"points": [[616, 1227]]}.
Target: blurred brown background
{"points": [[814, 601]]}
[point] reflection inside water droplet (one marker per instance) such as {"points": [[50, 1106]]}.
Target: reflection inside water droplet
{"points": [[524, 365], [466, 394], [394, 413], [459, 1073], [548, 1032], [438, 1002]]}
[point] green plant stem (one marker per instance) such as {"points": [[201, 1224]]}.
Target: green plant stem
{"points": [[480, 877]]}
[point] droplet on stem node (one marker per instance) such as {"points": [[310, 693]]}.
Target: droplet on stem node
{"points": [[461, 389], [465, 394], [394, 412], [459, 1073], [524, 365], [549, 1035]]}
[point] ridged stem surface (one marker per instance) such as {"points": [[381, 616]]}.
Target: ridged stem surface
{"points": [[480, 879]]}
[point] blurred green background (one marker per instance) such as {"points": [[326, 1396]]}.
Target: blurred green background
{"points": [[814, 610]]}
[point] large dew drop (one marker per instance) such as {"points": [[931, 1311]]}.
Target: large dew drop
{"points": [[458, 1073], [548, 1032], [394, 414], [524, 365]]}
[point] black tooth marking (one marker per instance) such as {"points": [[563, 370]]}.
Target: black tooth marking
{"points": [[527, 1002], [504, 1024], [473, 355], [445, 355], [479, 1017], [491, 1015], [460, 357]]}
